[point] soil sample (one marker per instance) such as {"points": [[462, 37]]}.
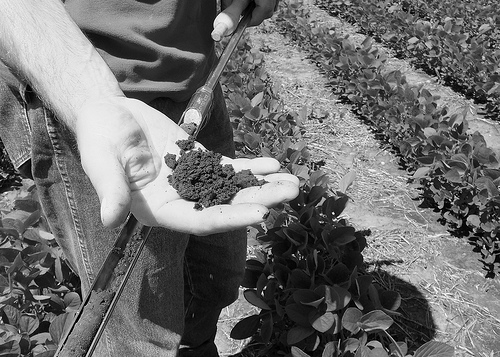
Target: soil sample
{"points": [[189, 128], [99, 302], [127, 256], [86, 328], [199, 176]]}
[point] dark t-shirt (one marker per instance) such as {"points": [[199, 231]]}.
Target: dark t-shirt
{"points": [[155, 48]]}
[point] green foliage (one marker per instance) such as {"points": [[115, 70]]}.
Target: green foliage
{"points": [[306, 282], [8, 175], [308, 285], [459, 41], [37, 289], [457, 173]]}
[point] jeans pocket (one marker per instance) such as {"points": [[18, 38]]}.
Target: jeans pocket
{"points": [[15, 130]]}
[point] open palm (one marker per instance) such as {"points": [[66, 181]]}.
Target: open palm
{"points": [[122, 144]]}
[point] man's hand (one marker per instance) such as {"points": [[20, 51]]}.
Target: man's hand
{"points": [[225, 23], [123, 142]]}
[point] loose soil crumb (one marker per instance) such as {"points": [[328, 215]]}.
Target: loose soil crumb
{"points": [[189, 128], [200, 177], [86, 328], [186, 145], [171, 160]]}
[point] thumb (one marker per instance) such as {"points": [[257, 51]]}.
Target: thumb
{"points": [[225, 23], [110, 182]]}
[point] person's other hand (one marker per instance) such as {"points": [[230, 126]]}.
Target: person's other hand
{"points": [[122, 144], [225, 23]]}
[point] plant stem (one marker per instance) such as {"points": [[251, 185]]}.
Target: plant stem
{"points": [[398, 349]]}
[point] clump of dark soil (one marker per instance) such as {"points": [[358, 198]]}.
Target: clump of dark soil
{"points": [[128, 255], [189, 128], [199, 176], [86, 328]]}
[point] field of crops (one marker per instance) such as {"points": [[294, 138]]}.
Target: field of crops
{"points": [[457, 42], [309, 283], [457, 170]]}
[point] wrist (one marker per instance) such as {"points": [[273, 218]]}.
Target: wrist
{"points": [[94, 84]]}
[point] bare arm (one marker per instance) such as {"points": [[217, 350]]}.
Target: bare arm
{"points": [[43, 45]]}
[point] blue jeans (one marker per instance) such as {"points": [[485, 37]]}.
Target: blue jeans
{"points": [[181, 282]]}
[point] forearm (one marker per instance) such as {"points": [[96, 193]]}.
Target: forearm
{"points": [[42, 44]]}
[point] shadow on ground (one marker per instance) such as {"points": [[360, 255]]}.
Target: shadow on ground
{"points": [[416, 324]]}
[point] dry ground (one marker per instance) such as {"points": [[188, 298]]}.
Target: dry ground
{"points": [[446, 296]]}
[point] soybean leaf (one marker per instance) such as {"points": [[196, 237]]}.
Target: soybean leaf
{"points": [[72, 301], [346, 181], [351, 319], [254, 299], [28, 324], [378, 352], [325, 322], [375, 320], [60, 324], [434, 349], [297, 352], [246, 328], [390, 299], [299, 313], [13, 315], [298, 333], [329, 350]]}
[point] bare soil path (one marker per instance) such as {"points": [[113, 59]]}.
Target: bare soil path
{"points": [[445, 294]]}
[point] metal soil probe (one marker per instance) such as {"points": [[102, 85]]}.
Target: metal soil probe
{"points": [[95, 311]]}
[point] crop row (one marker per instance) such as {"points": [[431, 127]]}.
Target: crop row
{"points": [[457, 173], [459, 44], [474, 13]]}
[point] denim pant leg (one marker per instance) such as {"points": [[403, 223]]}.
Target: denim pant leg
{"points": [[14, 125]]}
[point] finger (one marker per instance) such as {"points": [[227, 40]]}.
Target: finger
{"points": [[225, 23], [280, 176], [109, 180], [269, 194], [223, 26], [258, 166], [181, 216]]}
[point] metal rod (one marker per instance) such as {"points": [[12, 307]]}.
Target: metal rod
{"points": [[145, 234], [104, 275]]}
